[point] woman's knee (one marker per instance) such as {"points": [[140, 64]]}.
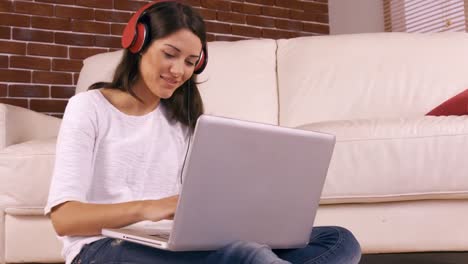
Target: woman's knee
{"points": [[339, 238], [244, 248], [246, 252]]}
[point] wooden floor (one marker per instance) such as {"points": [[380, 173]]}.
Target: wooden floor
{"points": [[417, 258]]}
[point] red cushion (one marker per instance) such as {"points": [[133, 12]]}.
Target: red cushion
{"points": [[457, 105]]}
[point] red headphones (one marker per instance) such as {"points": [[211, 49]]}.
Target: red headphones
{"points": [[135, 36]]}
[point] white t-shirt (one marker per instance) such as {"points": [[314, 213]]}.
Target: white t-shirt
{"points": [[106, 156]]}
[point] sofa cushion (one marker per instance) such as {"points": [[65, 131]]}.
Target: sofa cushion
{"points": [[362, 76], [410, 226], [239, 80], [397, 159], [31, 238], [457, 105], [98, 68], [26, 171]]}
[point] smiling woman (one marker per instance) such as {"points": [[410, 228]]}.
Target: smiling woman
{"points": [[121, 146], [166, 46]]}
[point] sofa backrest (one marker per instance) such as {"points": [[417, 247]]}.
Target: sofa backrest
{"points": [[377, 75], [238, 82]]}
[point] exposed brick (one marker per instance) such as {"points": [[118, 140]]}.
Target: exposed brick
{"points": [[62, 91], [5, 32], [292, 4], [112, 16], [51, 23], [289, 24], [210, 37], [260, 21], [33, 35], [74, 12], [3, 61], [12, 47], [3, 90], [317, 28], [108, 41], [237, 7], [27, 62], [246, 31], [128, 4], [42, 105], [228, 38], [15, 20], [67, 65], [74, 39], [15, 76], [47, 50], [117, 29], [52, 77], [17, 102], [262, 2], [295, 34], [278, 34], [231, 17], [21, 90], [217, 27], [83, 53], [34, 8], [296, 14], [301, 15], [314, 7], [90, 27], [251, 9], [106, 4], [216, 4], [275, 11], [207, 14], [6, 6], [76, 75], [65, 2]]}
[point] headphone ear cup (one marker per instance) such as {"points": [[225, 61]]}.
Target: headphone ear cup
{"points": [[140, 38], [133, 32], [201, 64]]}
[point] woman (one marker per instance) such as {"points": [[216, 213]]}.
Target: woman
{"points": [[121, 146]]}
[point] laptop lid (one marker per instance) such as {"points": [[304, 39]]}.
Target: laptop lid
{"points": [[252, 182]]}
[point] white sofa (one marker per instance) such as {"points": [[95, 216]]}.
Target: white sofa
{"points": [[398, 179]]}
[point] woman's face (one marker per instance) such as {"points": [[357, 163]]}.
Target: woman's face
{"points": [[169, 62]]}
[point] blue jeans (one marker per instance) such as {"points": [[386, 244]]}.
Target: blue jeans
{"points": [[331, 245]]}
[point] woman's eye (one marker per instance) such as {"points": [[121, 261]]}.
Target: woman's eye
{"points": [[189, 63], [168, 55]]}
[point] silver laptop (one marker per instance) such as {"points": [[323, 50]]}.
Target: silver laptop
{"points": [[243, 181]]}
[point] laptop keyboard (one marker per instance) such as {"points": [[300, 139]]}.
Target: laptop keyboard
{"points": [[161, 234]]}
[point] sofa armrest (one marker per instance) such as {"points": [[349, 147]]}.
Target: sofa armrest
{"points": [[19, 125]]}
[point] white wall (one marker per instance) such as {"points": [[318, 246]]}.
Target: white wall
{"points": [[355, 16]]}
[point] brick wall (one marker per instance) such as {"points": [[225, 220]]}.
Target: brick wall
{"points": [[43, 42]]}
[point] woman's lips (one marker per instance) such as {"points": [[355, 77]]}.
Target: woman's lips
{"points": [[170, 81]]}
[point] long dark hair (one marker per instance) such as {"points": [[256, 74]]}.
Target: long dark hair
{"points": [[163, 19]]}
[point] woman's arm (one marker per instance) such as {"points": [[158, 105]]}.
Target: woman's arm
{"points": [[85, 219]]}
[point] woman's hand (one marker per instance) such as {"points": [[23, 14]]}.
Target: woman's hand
{"points": [[74, 218], [155, 210]]}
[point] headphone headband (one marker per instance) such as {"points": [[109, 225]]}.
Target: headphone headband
{"points": [[135, 35]]}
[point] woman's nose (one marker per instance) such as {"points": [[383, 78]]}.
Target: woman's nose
{"points": [[177, 69]]}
